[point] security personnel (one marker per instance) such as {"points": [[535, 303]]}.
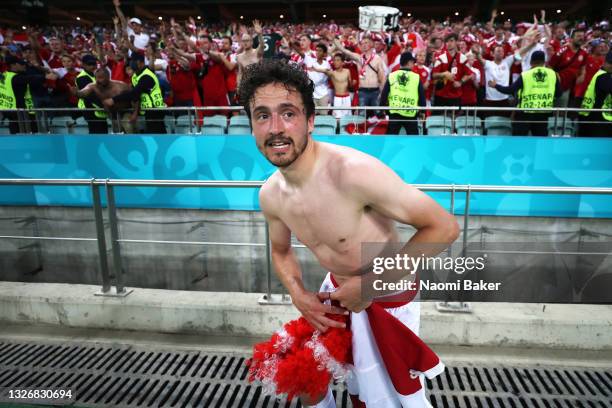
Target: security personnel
{"points": [[145, 89], [403, 89], [598, 96], [96, 120], [535, 88], [15, 92]]}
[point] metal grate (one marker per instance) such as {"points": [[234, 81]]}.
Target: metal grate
{"points": [[139, 376]]}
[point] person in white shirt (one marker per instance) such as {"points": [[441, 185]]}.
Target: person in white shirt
{"points": [[319, 79], [138, 38]]}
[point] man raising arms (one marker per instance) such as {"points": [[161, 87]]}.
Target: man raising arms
{"points": [[249, 55], [334, 199]]}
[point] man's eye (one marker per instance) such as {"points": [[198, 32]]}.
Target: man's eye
{"points": [[288, 115], [262, 116]]}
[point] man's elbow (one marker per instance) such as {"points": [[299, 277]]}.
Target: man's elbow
{"points": [[451, 230]]}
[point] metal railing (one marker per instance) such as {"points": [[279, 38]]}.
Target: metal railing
{"points": [[116, 240], [561, 118]]}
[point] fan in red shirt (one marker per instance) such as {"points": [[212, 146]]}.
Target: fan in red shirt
{"points": [[212, 79], [53, 55], [593, 63], [424, 72], [498, 40], [569, 60], [67, 79], [117, 64], [449, 69], [181, 75]]}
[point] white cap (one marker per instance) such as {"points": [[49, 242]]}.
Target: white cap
{"points": [[135, 20]]}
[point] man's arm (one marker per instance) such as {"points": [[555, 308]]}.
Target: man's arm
{"points": [[374, 185], [288, 270], [352, 55], [259, 31], [120, 14], [508, 90]]}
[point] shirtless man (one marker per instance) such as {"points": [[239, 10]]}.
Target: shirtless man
{"points": [[105, 88], [340, 78], [249, 55], [332, 199]]}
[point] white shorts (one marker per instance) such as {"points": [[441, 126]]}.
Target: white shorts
{"points": [[342, 101], [369, 378]]}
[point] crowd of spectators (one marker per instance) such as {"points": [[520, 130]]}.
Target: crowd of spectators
{"points": [[197, 63]]}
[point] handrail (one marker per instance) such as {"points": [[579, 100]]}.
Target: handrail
{"points": [[330, 107], [257, 183], [116, 240]]}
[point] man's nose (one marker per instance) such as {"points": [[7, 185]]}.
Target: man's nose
{"points": [[276, 125]]}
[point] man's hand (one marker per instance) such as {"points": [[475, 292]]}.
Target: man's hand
{"points": [[492, 83], [257, 27], [313, 309], [349, 295], [117, 3]]}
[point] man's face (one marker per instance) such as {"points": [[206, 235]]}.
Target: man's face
{"points": [[305, 42], [420, 57], [320, 53], [559, 33], [181, 44], [507, 25], [226, 45], [451, 44], [380, 46], [280, 125], [102, 79], [205, 44], [338, 63], [366, 44], [499, 34], [67, 63], [578, 38], [137, 28], [89, 67], [55, 45], [498, 54], [247, 42]]}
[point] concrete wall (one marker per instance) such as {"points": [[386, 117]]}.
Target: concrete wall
{"points": [[209, 268]]}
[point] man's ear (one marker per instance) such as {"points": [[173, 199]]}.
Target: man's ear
{"points": [[311, 119]]}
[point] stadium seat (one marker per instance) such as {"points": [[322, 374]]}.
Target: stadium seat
{"points": [[185, 125], [4, 127], [170, 124], [214, 125], [468, 126], [439, 125], [239, 125], [498, 126], [561, 127], [325, 125], [80, 126], [61, 125], [351, 120]]}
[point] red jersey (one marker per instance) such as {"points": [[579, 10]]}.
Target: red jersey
{"points": [[567, 63], [456, 66], [54, 60], [591, 67], [424, 74], [182, 82]]}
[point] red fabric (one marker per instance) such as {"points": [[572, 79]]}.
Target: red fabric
{"points": [[118, 71], [568, 73], [62, 86], [592, 66], [54, 60], [181, 82], [424, 74], [458, 71], [400, 349], [213, 85]]}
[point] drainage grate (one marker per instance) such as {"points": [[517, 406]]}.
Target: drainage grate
{"points": [[137, 376]]}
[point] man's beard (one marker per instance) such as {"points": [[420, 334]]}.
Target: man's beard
{"points": [[288, 158]]}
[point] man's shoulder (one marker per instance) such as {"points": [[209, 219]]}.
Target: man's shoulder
{"points": [[346, 164], [269, 191]]}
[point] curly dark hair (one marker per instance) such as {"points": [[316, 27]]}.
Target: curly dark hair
{"points": [[270, 71]]}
